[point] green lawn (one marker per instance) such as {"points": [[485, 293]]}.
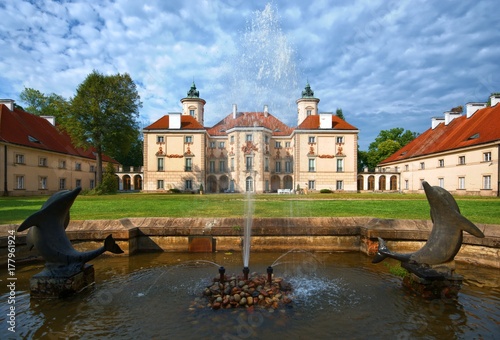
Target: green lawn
{"points": [[400, 206]]}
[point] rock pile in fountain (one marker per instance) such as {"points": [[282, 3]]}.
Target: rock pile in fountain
{"points": [[236, 292]]}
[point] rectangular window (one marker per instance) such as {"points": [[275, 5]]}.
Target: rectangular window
{"points": [[189, 184], [278, 166], [340, 185], [222, 166], [441, 182], [160, 164], [19, 159], [266, 139], [311, 185], [159, 184], [277, 145], [340, 140], [407, 185], [191, 113], [231, 139], [43, 183], [340, 165], [232, 164], [461, 160], [212, 145], [62, 183], [288, 166], [441, 163], [188, 139], [249, 138], [42, 161], [222, 145], [461, 183], [78, 183], [62, 164], [188, 164], [312, 139], [266, 164], [487, 157], [92, 184], [288, 145], [487, 182], [249, 163], [92, 168], [160, 139], [312, 165], [406, 167], [422, 165], [211, 166], [78, 166], [19, 182], [309, 112]]}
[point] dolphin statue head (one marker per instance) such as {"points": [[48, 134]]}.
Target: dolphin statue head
{"points": [[445, 238], [47, 233]]}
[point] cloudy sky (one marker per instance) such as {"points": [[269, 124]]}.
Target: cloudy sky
{"points": [[385, 63]]}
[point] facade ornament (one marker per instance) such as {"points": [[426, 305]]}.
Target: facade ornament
{"points": [[160, 152], [249, 147]]}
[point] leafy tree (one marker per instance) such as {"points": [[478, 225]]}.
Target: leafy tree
{"points": [[41, 104], [339, 113], [109, 183], [386, 143], [134, 157], [103, 114]]}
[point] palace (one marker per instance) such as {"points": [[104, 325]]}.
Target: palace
{"points": [[250, 151], [460, 153]]}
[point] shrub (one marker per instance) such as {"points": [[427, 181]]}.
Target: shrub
{"points": [[325, 191]]}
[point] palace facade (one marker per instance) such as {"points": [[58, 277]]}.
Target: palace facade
{"points": [[250, 151], [460, 153], [36, 158]]}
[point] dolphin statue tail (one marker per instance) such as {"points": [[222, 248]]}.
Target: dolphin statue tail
{"points": [[384, 252], [111, 246]]}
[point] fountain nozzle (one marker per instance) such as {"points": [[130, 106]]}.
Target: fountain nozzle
{"points": [[222, 270], [270, 274], [245, 273]]}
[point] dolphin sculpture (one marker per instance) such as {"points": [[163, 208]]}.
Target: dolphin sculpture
{"points": [[445, 238], [48, 236]]}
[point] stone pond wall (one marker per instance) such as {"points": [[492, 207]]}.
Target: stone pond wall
{"points": [[268, 234]]}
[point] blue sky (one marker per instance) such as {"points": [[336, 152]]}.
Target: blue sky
{"points": [[385, 63]]}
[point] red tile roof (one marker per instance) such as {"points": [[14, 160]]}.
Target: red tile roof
{"points": [[312, 123], [251, 119], [23, 128], [187, 122], [483, 127]]}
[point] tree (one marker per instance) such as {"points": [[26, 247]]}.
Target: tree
{"points": [[339, 113], [41, 104], [103, 114], [386, 143]]}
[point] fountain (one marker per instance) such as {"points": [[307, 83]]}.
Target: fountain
{"points": [[320, 295]]}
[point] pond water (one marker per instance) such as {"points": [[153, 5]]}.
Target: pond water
{"points": [[336, 295]]}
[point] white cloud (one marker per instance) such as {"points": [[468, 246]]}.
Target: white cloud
{"points": [[386, 64]]}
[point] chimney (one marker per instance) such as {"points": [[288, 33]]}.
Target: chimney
{"points": [[471, 108], [325, 120], [266, 110], [235, 109], [174, 120], [436, 121], [51, 119], [8, 102], [495, 99], [449, 116]]}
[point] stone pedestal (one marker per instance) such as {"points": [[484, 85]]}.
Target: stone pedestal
{"points": [[44, 286], [431, 284]]}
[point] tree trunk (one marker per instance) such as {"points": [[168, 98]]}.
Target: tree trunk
{"points": [[98, 158]]}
